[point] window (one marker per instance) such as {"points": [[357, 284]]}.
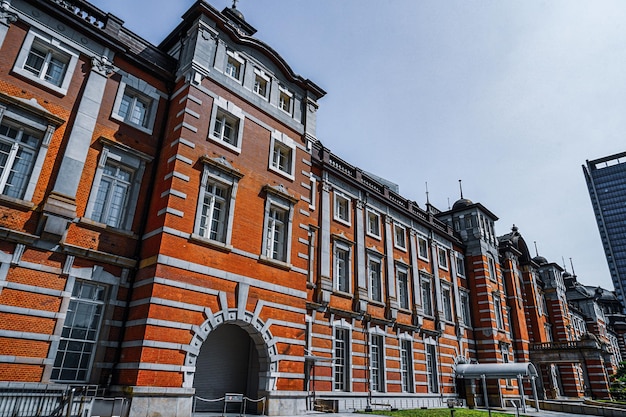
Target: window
{"points": [[377, 363], [431, 369], [373, 224], [47, 61], [504, 350], [460, 265], [442, 254], [80, 333], [341, 359], [18, 151], [341, 256], [285, 100], [226, 124], [466, 319], [278, 218], [403, 286], [342, 208], [261, 83], [283, 154], [115, 188], [234, 65], [406, 365], [497, 308], [492, 268], [399, 233], [136, 103], [422, 248], [427, 297], [446, 295], [375, 275], [216, 201]]}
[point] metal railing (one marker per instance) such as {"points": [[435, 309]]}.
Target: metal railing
{"points": [[49, 401], [242, 410]]}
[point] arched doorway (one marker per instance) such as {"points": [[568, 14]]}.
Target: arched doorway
{"points": [[228, 362]]}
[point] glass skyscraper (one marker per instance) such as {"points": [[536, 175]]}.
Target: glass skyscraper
{"points": [[606, 180]]}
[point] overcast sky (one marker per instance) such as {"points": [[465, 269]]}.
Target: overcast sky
{"points": [[510, 96]]}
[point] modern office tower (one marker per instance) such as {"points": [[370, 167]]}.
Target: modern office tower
{"points": [[606, 180]]}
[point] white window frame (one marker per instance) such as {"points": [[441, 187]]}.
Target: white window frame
{"points": [[423, 256], [283, 95], [281, 142], [22, 122], [404, 287], [138, 90], [369, 215], [460, 265], [406, 364], [54, 45], [466, 308], [339, 200], [277, 200], [371, 259], [222, 109], [238, 62], [122, 156], [442, 258], [491, 264], [261, 75], [228, 178], [497, 309], [341, 363], [91, 334], [447, 302], [427, 299], [399, 237], [377, 361], [432, 373], [342, 268]]}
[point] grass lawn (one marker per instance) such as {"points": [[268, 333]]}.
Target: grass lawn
{"points": [[440, 412]]}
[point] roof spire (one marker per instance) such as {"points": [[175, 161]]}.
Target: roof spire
{"points": [[427, 200], [572, 264], [461, 187], [536, 250], [235, 3]]}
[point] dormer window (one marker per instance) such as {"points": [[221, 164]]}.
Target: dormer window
{"points": [[285, 101], [261, 83], [234, 66]]}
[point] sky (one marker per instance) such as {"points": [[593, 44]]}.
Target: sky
{"points": [[511, 97]]}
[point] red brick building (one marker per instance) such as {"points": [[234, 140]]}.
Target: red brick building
{"points": [[172, 229]]}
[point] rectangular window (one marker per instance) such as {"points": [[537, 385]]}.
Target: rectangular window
{"points": [[399, 233], [443, 258], [342, 267], [260, 86], [342, 208], [214, 212], [465, 309], [134, 108], [373, 224], [375, 275], [492, 268], [446, 295], [402, 276], [18, 152], [136, 103], [341, 359], [46, 61], [406, 365], [460, 266], [80, 333], [285, 100], [427, 297], [234, 65], [497, 309], [276, 234], [226, 128], [422, 248], [431, 369], [112, 195], [377, 363], [282, 157]]}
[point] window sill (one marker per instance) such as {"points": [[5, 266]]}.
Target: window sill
{"points": [[92, 224], [42, 83], [143, 129], [274, 262], [342, 221], [421, 258], [17, 203], [223, 144], [377, 237], [343, 294], [377, 303], [404, 310], [282, 173], [403, 249], [214, 244]]}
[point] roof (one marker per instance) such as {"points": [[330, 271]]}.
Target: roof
{"points": [[496, 370]]}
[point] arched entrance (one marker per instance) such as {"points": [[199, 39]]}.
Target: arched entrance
{"points": [[228, 362]]}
